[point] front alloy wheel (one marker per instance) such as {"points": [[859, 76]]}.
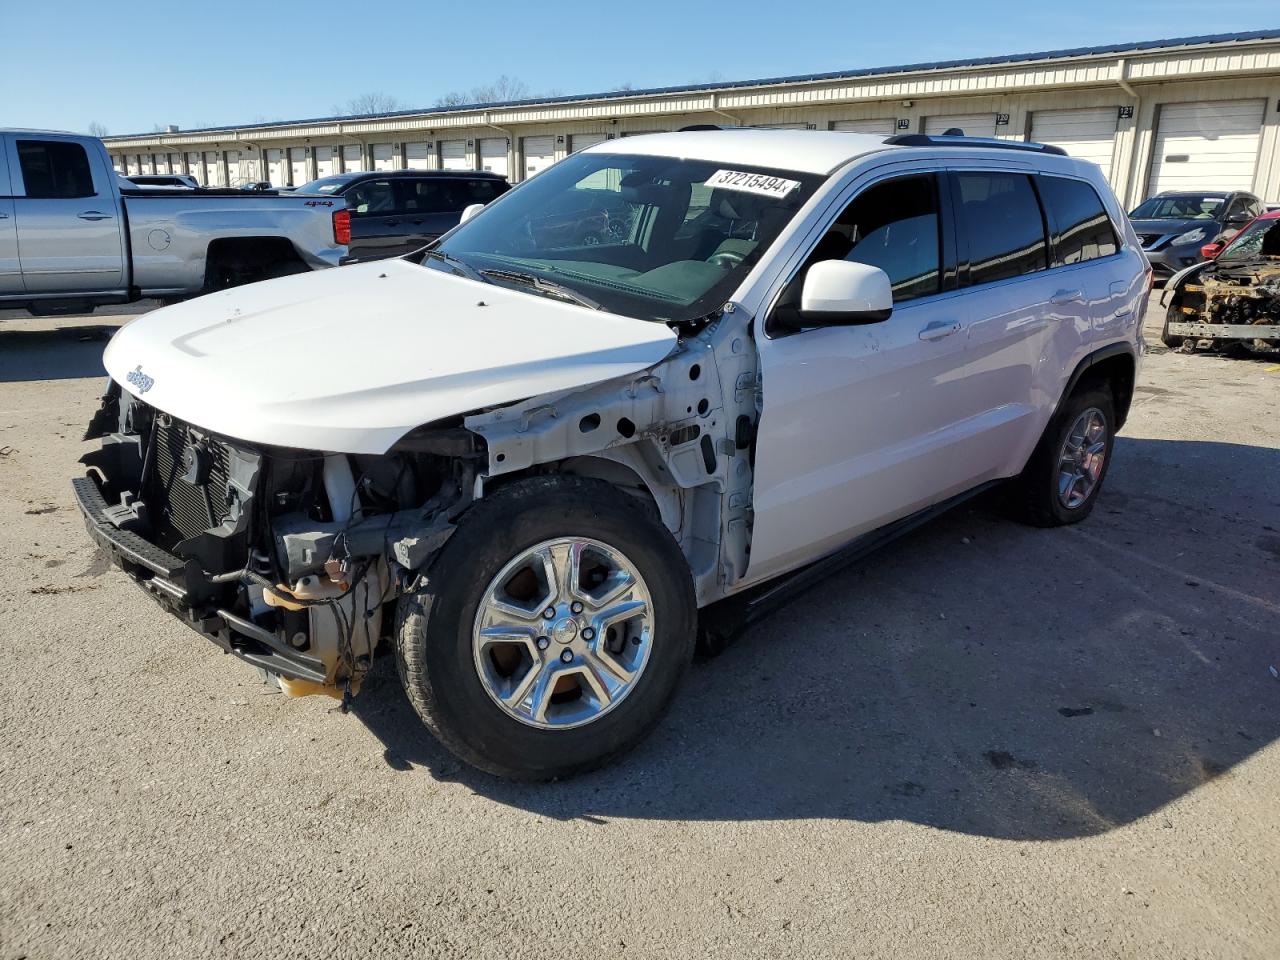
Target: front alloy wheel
{"points": [[563, 633], [552, 629]]}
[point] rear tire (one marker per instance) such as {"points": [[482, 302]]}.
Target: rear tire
{"points": [[1062, 480], [533, 707]]}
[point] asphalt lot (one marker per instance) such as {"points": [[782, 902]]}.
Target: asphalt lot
{"points": [[986, 741]]}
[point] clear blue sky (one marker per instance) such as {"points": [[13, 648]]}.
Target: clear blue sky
{"points": [[132, 66]]}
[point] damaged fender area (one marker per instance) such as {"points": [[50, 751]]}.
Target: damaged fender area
{"points": [[680, 433]]}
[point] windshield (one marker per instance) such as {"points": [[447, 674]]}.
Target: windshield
{"points": [[1260, 239], [1186, 207], [657, 238], [325, 185]]}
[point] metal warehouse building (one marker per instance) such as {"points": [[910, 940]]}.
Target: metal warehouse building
{"points": [[1198, 112]]}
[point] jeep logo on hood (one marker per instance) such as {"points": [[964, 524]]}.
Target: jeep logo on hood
{"points": [[140, 379]]}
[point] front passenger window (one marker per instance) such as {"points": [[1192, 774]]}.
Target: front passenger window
{"points": [[892, 225]]}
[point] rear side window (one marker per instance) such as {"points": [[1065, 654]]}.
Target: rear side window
{"points": [[1080, 222], [1000, 225], [482, 191], [54, 169]]}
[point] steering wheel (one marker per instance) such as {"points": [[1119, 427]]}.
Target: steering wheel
{"points": [[726, 259]]}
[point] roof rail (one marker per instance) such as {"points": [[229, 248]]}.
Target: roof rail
{"points": [[953, 140]]}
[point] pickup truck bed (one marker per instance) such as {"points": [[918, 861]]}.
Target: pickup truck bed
{"points": [[74, 234]]}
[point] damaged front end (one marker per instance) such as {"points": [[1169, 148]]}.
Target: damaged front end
{"points": [[1235, 299], [287, 559]]}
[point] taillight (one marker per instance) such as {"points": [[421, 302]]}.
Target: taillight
{"points": [[342, 227]]}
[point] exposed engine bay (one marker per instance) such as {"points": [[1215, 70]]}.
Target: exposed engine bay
{"points": [[1230, 300]]}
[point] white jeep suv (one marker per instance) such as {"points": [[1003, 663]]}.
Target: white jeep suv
{"points": [[626, 402]]}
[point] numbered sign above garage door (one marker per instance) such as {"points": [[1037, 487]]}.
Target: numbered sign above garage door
{"points": [[539, 153], [973, 124], [1088, 134], [878, 128], [453, 155], [1206, 146]]}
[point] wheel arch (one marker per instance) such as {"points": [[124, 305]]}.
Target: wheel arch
{"points": [[1114, 366]]}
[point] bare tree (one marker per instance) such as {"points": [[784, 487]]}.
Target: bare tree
{"points": [[502, 90], [370, 103], [626, 87], [97, 129]]}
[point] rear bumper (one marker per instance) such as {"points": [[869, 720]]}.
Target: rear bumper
{"points": [[187, 592]]}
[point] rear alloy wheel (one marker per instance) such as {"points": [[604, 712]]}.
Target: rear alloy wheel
{"points": [[1061, 481], [552, 630]]}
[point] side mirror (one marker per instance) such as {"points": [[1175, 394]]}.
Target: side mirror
{"points": [[841, 292], [1242, 217], [1210, 251], [470, 211]]}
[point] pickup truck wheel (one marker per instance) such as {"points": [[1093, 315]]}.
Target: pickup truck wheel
{"points": [[552, 632], [1064, 476]]}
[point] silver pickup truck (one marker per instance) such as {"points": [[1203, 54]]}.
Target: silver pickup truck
{"points": [[74, 234]]}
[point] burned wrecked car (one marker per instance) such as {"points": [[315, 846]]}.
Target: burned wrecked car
{"points": [[1233, 299], [531, 464]]}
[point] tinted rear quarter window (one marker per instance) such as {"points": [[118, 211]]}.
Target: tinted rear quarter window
{"points": [[54, 169], [482, 191], [1080, 222], [1000, 225]]}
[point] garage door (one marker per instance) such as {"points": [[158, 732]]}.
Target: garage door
{"points": [[580, 141], [880, 128], [1087, 134], [352, 157], [539, 153], [213, 170], [195, 166], [234, 176], [1206, 146], [417, 156], [326, 161], [973, 124], [384, 157], [453, 155], [275, 167], [493, 156], [175, 163]]}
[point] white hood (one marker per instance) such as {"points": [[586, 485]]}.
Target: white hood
{"points": [[349, 360]]}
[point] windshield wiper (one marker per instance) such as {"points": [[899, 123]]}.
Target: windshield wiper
{"points": [[543, 285], [460, 266]]}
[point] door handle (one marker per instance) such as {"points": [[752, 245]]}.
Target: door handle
{"points": [[390, 222], [94, 215], [1063, 297], [4, 216], [938, 329], [418, 223]]}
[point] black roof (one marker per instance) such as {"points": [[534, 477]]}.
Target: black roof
{"points": [[1115, 48]]}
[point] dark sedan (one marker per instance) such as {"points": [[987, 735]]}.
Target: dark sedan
{"points": [[1172, 227], [396, 211]]}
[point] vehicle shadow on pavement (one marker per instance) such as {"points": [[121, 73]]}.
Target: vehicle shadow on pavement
{"points": [[1124, 665], [62, 353]]}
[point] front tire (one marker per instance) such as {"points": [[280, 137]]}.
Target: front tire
{"points": [[552, 632], [1062, 480]]}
